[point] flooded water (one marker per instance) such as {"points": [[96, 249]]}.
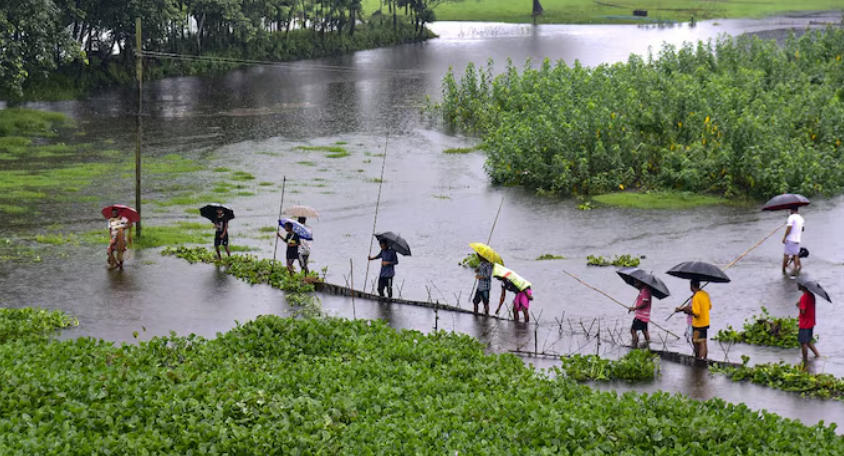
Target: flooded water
{"points": [[254, 119]]}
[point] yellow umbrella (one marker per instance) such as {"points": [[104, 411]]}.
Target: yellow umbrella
{"points": [[486, 252]]}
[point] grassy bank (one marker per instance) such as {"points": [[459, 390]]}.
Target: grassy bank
{"points": [[617, 11], [282, 386], [735, 118], [658, 200]]}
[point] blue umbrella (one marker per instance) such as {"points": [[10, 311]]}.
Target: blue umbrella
{"points": [[298, 228]]}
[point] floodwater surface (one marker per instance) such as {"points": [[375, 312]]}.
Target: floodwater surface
{"points": [[256, 119]]}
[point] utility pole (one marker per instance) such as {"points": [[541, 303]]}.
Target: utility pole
{"points": [[139, 73]]}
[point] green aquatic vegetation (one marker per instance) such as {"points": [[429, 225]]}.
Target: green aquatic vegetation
{"points": [[306, 163], [332, 149], [549, 256], [470, 261], [246, 193], [338, 154], [458, 150], [341, 143], [585, 206], [268, 229], [27, 322], [250, 269], [266, 184], [221, 170], [30, 122], [375, 180], [619, 260], [786, 377], [442, 197], [242, 176], [764, 329], [635, 366], [706, 118], [658, 200], [332, 386]]}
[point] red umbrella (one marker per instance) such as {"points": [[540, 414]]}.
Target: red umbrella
{"points": [[123, 211]]}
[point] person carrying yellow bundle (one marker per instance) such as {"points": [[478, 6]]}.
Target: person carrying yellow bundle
{"points": [[510, 281]]}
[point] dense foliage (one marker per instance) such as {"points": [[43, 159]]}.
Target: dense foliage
{"points": [[635, 366], [786, 377], [764, 329], [620, 261], [737, 116], [249, 268], [32, 321], [308, 387], [91, 42]]}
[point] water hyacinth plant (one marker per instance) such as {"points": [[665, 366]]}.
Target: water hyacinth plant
{"points": [[764, 329], [786, 377], [635, 366], [734, 116], [330, 386]]}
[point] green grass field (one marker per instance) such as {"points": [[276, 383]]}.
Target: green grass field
{"points": [[614, 11]]}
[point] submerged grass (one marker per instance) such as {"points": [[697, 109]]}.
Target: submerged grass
{"points": [[458, 150], [549, 256], [332, 149], [658, 200]]}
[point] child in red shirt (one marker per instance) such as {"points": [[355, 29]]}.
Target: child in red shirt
{"points": [[806, 322]]}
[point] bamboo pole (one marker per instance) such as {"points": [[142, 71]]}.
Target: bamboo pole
{"points": [[377, 205], [278, 229], [614, 300], [352, 277], [488, 240], [139, 73], [732, 263]]}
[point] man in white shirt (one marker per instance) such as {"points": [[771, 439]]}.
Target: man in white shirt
{"points": [[793, 232]]}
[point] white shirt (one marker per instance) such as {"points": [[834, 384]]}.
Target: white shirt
{"points": [[116, 223], [304, 244], [796, 222]]}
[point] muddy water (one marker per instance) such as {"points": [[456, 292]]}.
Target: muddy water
{"points": [[254, 119]]}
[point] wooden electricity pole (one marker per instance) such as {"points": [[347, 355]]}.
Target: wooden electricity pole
{"points": [[139, 73]]}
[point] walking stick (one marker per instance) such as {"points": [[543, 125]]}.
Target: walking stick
{"points": [[377, 205], [731, 264], [278, 230], [614, 300], [489, 239]]}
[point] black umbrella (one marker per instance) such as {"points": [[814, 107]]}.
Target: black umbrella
{"points": [[209, 211], [395, 241], [814, 287], [698, 270], [632, 276], [785, 201]]}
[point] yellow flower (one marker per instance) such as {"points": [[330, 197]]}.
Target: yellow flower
{"points": [[706, 121], [838, 142], [797, 53], [621, 186], [680, 124], [704, 141], [814, 136]]}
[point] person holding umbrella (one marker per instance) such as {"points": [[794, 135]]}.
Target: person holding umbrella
{"points": [[293, 240], [117, 242], [221, 233], [699, 310], [649, 287], [304, 247], [483, 274], [806, 320], [792, 237], [389, 260]]}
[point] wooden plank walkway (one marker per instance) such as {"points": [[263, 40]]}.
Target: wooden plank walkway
{"points": [[338, 290]]}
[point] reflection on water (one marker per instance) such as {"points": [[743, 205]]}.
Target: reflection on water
{"points": [[254, 118]]}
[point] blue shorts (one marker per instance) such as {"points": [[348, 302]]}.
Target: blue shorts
{"points": [[481, 295], [804, 336]]}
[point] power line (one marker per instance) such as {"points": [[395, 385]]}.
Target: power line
{"points": [[267, 63]]}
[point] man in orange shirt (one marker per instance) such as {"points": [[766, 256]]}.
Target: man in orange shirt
{"points": [[699, 310]]}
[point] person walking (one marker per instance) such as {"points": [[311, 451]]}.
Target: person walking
{"points": [[642, 315], [304, 248], [793, 234], [510, 281], [292, 239], [221, 233], [699, 310], [483, 274], [117, 241], [806, 323], [389, 260]]}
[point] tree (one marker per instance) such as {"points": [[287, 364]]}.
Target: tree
{"points": [[32, 42]]}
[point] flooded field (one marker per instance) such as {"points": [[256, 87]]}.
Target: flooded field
{"points": [[270, 122]]}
